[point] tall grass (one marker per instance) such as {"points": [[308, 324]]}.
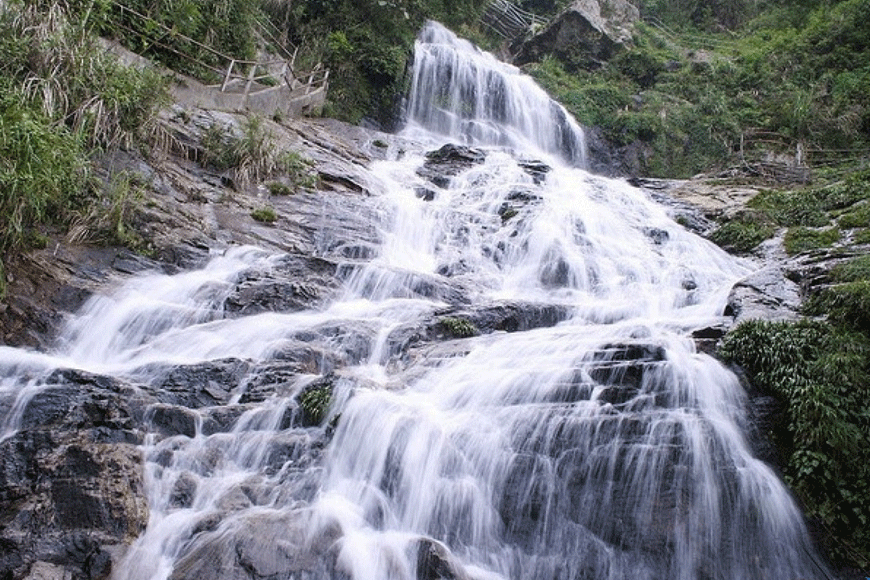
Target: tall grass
{"points": [[63, 99]]}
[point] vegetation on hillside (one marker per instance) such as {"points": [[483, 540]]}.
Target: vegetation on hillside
{"points": [[821, 371], [793, 79], [63, 100]]}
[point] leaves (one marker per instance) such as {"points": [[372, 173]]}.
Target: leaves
{"points": [[822, 372]]}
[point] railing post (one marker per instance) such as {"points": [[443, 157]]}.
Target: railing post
{"points": [[228, 75], [250, 78]]}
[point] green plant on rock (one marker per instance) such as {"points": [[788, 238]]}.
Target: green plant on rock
{"points": [[297, 169], [801, 239], [743, 234], [278, 188], [821, 372], [252, 155], [109, 218], [457, 327], [264, 215], [315, 404], [43, 172]]}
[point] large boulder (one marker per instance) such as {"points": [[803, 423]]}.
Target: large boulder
{"points": [[584, 35]]}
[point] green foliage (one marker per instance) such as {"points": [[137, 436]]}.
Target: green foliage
{"points": [[264, 215], [791, 208], [159, 29], [458, 327], [801, 239], [297, 169], [43, 170], [62, 99], [278, 188], [109, 215], [366, 44], [854, 270], [696, 100], [846, 304], [315, 404], [742, 235], [252, 155], [857, 218], [821, 372]]}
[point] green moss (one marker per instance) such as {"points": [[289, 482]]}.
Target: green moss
{"points": [[801, 239]]}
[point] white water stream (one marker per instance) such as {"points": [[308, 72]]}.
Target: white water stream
{"points": [[602, 447]]}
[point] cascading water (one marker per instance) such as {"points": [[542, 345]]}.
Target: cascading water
{"points": [[468, 96], [591, 441]]}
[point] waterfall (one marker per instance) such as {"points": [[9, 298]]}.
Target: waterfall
{"points": [[469, 96], [583, 435]]}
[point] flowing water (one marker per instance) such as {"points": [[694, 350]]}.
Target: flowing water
{"points": [[598, 444]]}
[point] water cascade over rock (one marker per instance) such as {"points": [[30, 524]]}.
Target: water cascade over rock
{"points": [[499, 384], [467, 95]]}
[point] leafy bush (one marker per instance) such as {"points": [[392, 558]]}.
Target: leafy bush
{"points": [[62, 99], [252, 154], [315, 404], [822, 374]]}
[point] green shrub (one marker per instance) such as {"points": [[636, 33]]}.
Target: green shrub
{"points": [[857, 218], [265, 215], [252, 155], [278, 188], [821, 374], [854, 270], [791, 208], [846, 304]]}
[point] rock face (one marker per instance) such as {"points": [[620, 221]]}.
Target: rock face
{"points": [[71, 481], [584, 35]]}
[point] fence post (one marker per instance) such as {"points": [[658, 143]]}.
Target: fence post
{"points": [[250, 78], [228, 75]]}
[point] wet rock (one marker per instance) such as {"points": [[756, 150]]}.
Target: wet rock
{"points": [[517, 316], [657, 235], [257, 546], [424, 193], [449, 161], [766, 294], [65, 500], [538, 170], [197, 385], [435, 562], [296, 283], [169, 421], [526, 498]]}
